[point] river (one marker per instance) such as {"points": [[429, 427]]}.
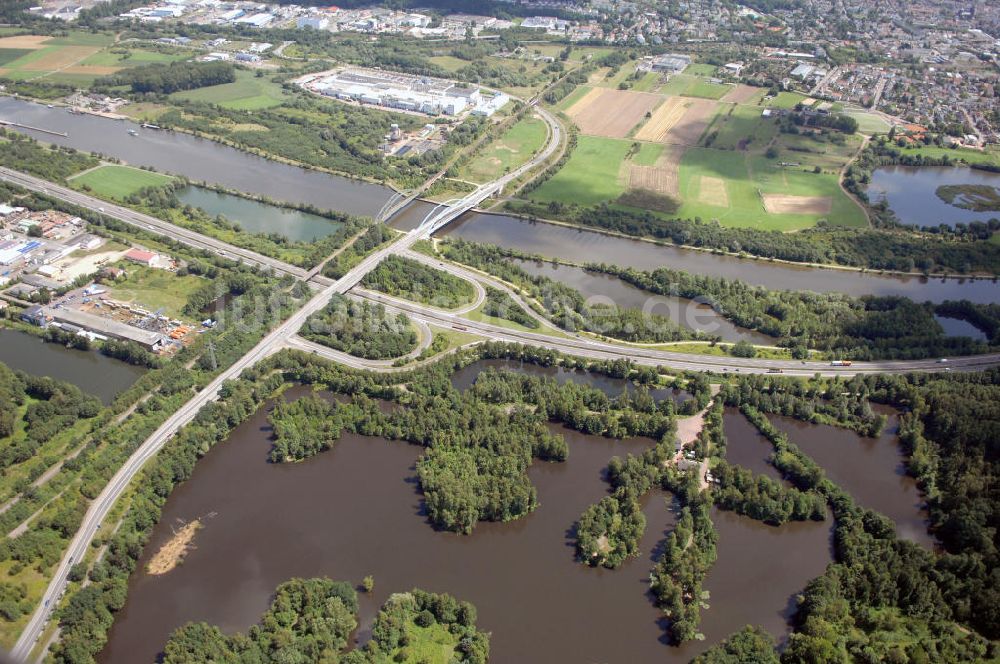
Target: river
{"points": [[584, 246], [910, 192], [872, 470], [201, 159], [196, 158], [606, 289], [356, 510], [92, 372]]}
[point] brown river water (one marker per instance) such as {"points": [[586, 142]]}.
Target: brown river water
{"points": [[356, 510]]}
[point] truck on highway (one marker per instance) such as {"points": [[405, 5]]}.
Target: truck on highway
{"points": [[840, 363]]}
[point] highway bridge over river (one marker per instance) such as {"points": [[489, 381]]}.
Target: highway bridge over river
{"points": [[285, 335]]}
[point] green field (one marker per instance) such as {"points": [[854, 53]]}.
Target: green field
{"points": [[694, 86], [11, 54], [121, 57], [117, 182], [745, 176], [590, 176], [155, 289], [742, 126], [573, 97], [508, 152], [869, 123], [247, 93], [989, 156], [700, 69], [786, 100], [647, 83], [75, 58]]}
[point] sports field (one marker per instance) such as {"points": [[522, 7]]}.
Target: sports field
{"points": [[246, 93], [507, 152], [117, 182]]}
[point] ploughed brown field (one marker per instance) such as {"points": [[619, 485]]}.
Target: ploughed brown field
{"points": [[784, 204], [611, 113]]}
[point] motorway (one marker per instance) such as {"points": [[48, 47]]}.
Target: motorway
{"points": [[284, 335], [102, 505], [148, 223]]}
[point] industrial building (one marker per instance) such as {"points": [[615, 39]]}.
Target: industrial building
{"points": [[104, 326], [418, 94], [671, 62]]}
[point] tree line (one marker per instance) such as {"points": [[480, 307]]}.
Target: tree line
{"points": [[918, 595], [361, 328], [168, 78], [412, 280]]}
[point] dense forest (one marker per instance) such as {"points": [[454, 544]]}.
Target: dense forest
{"points": [[362, 329], [761, 498], [311, 620], [412, 280], [501, 305], [609, 532], [33, 409], [885, 599], [167, 78], [676, 580], [868, 327], [49, 162]]}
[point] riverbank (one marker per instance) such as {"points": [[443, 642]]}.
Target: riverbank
{"points": [[172, 553], [733, 254]]}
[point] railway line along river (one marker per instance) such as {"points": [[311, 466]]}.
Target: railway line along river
{"points": [[204, 160]]}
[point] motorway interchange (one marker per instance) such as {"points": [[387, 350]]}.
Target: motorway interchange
{"points": [[285, 335]]}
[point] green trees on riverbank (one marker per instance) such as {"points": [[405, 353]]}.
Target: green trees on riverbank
{"points": [[412, 280], [761, 498], [868, 327], [609, 532], [311, 620], [676, 580], [886, 597], [361, 329], [564, 305]]}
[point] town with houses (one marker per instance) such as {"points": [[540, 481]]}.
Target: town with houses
{"points": [[924, 65]]}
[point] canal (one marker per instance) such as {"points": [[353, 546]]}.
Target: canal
{"points": [[205, 160], [197, 158]]}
